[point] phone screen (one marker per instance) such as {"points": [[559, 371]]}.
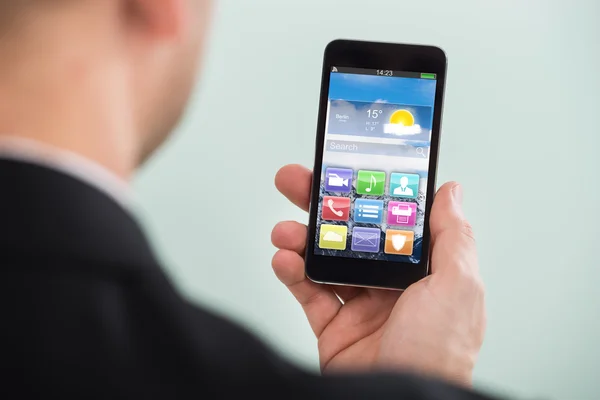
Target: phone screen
{"points": [[375, 164]]}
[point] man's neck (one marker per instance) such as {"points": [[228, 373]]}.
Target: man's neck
{"points": [[87, 125]]}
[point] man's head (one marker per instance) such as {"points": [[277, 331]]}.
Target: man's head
{"points": [[403, 182], [121, 70]]}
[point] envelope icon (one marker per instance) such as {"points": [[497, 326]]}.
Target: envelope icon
{"points": [[366, 239]]}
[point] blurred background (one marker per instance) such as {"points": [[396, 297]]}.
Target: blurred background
{"points": [[521, 133]]}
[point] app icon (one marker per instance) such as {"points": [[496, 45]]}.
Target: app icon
{"points": [[404, 185], [366, 239], [368, 211], [333, 237], [336, 208], [370, 182], [338, 180], [399, 242], [400, 213]]}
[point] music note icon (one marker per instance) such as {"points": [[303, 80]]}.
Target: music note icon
{"points": [[370, 182]]}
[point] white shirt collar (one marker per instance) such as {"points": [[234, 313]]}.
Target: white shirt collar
{"points": [[69, 163]]}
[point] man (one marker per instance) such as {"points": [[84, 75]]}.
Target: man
{"points": [[403, 189], [89, 89]]}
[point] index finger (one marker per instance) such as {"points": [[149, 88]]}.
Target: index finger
{"points": [[294, 181]]}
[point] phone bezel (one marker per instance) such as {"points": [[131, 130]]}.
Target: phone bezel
{"points": [[383, 56]]}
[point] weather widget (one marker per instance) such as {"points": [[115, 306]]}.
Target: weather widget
{"points": [[374, 119]]}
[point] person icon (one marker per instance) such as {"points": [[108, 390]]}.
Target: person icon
{"points": [[403, 189]]}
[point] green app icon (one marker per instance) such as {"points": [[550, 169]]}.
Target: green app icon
{"points": [[370, 182], [333, 237]]}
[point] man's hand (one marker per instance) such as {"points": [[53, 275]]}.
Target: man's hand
{"points": [[435, 327]]}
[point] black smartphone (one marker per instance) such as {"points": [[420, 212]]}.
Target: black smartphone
{"points": [[376, 156]]}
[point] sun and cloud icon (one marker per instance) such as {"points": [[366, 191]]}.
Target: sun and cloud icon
{"points": [[402, 122]]}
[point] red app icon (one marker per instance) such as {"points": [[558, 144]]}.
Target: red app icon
{"points": [[336, 208]]}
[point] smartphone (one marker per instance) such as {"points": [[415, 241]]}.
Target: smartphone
{"points": [[377, 145]]}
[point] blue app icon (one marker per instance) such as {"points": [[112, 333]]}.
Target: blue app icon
{"points": [[404, 185], [368, 211]]}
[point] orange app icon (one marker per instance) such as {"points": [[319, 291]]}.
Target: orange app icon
{"points": [[399, 242]]}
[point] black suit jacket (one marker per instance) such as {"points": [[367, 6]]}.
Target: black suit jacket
{"points": [[86, 312]]}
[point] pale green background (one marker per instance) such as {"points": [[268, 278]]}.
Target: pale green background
{"points": [[520, 132]]}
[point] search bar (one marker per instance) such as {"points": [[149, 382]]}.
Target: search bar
{"points": [[380, 149]]}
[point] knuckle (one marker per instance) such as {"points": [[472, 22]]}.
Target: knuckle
{"points": [[478, 285], [312, 298], [466, 229], [466, 272], [474, 284]]}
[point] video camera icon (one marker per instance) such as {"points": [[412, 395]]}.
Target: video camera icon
{"points": [[338, 180]]}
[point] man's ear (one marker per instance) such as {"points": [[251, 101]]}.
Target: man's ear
{"points": [[164, 19]]}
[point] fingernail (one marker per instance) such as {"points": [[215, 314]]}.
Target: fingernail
{"points": [[457, 194]]}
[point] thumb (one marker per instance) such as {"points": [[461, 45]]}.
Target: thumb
{"points": [[451, 234]]}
